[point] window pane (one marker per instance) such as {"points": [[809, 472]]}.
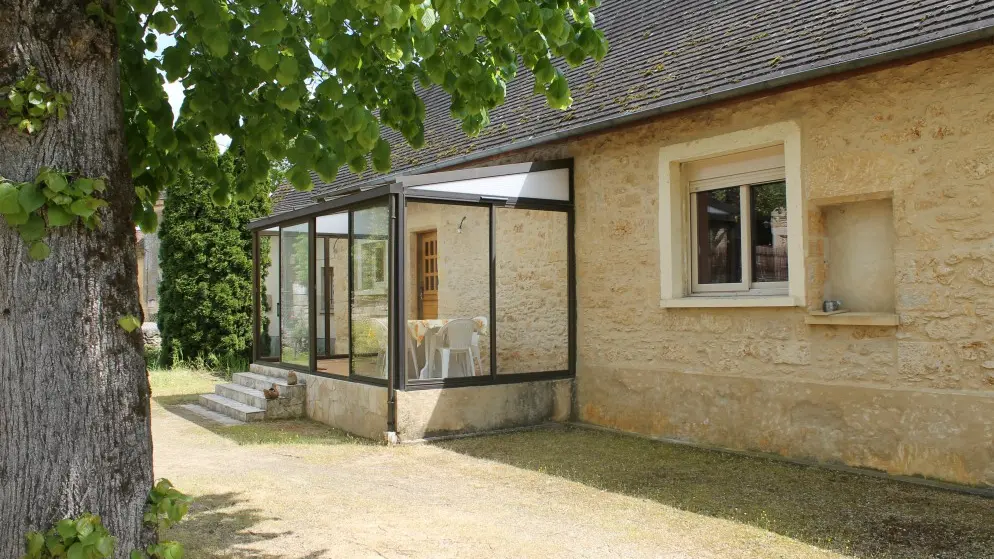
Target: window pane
{"points": [[532, 291], [370, 305], [294, 303], [269, 295], [719, 236], [447, 279], [332, 261], [769, 232]]}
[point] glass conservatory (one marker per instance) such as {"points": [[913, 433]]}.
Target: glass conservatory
{"points": [[455, 279]]}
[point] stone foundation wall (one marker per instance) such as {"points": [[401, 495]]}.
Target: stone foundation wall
{"points": [[360, 409], [917, 399], [428, 413]]}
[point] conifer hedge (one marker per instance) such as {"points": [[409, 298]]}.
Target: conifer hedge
{"points": [[205, 297]]}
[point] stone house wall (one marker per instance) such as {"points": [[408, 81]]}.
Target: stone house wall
{"points": [[917, 399]]}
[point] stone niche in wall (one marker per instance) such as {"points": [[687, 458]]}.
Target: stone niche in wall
{"points": [[859, 255]]}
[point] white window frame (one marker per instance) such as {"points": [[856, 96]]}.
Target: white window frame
{"points": [[739, 159], [744, 182]]}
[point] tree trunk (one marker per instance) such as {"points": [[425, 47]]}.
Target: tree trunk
{"points": [[74, 393]]}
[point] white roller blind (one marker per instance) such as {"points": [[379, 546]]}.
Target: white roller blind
{"points": [[736, 169]]}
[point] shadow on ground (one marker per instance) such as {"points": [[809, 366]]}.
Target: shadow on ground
{"points": [[219, 526], [849, 513], [281, 431]]}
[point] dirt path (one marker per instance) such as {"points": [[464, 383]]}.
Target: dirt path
{"points": [[356, 500]]}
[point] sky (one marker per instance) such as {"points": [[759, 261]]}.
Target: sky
{"points": [[175, 91]]}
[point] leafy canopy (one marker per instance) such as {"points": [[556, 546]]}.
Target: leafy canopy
{"points": [[311, 81]]}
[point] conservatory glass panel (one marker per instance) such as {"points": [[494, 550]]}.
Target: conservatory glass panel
{"points": [[332, 264], [294, 300], [532, 291], [370, 299], [269, 294], [447, 282]]}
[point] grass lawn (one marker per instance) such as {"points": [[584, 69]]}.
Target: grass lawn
{"points": [[850, 513], [300, 489]]}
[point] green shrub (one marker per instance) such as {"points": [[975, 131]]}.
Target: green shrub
{"points": [[205, 298], [85, 537]]}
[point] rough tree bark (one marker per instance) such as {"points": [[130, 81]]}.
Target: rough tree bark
{"points": [[74, 394]]}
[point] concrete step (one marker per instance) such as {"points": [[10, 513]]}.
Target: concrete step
{"points": [[232, 408], [283, 407], [211, 416], [259, 382], [272, 371], [243, 394]]}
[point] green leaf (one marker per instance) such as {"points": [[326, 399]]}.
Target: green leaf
{"points": [[27, 125], [86, 207], [84, 526], [558, 93], [170, 550], [58, 217], [39, 251], [143, 6], [266, 58], [33, 229], [35, 542], [129, 323], [31, 197], [15, 100], [475, 9], [544, 71], [53, 179], [381, 156], [428, 19], [163, 22], [287, 71], [14, 219], [9, 203], [327, 167], [300, 178], [106, 545], [288, 100], [369, 134], [395, 17], [355, 119], [66, 528], [217, 41]]}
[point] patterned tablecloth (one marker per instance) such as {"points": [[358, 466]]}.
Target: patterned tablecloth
{"points": [[419, 328]]}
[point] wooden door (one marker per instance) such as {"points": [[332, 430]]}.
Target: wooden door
{"points": [[428, 275]]}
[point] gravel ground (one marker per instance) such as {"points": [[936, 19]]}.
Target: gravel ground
{"points": [[298, 489]]}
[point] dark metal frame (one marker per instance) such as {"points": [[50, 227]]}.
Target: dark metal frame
{"points": [[396, 195], [493, 203]]}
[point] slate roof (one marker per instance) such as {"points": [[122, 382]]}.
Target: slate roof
{"points": [[671, 54]]}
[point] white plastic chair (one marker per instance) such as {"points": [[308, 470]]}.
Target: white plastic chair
{"points": [[381, 340], [411, 343], [454, 339], [475, 346]]}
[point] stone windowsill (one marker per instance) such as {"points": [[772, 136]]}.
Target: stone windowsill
{"points": [[703, 302], [847, 318]]}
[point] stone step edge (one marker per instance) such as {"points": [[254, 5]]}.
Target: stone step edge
{"points": [[279, 382], [235, 406]]}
